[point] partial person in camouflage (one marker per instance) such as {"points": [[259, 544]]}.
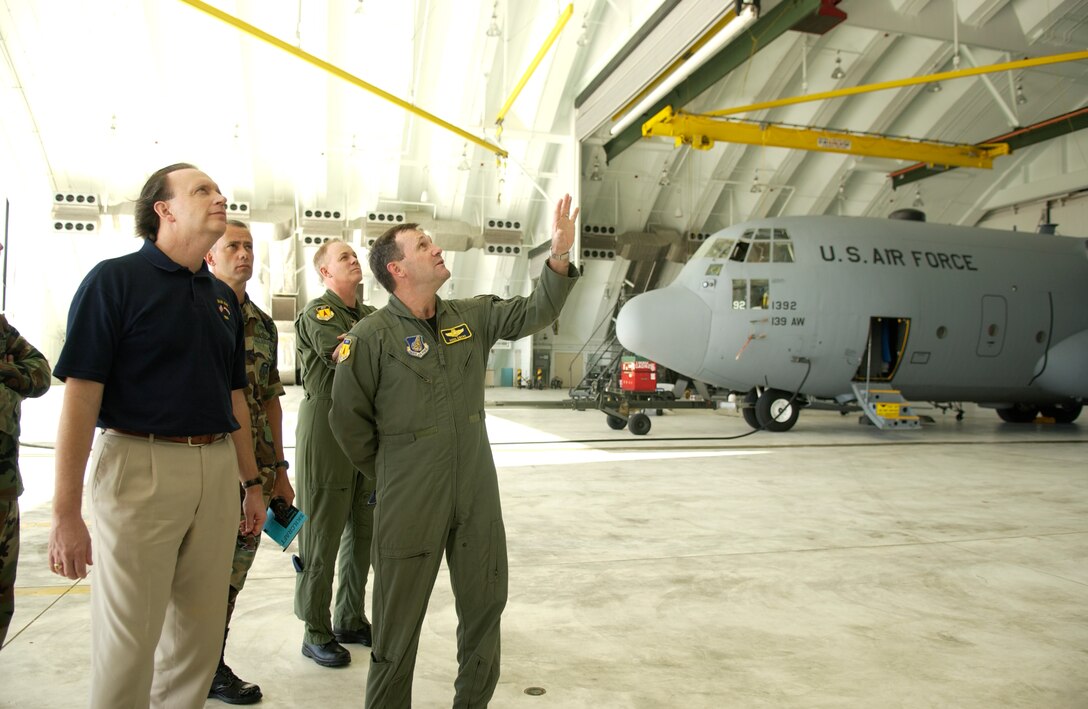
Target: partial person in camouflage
{"points": [[231, 260], [23, 373]]}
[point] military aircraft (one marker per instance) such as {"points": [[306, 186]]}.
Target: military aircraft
{"points": [[792, 312]]}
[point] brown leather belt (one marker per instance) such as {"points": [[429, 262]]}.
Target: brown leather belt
{"points": [[201, 440]]}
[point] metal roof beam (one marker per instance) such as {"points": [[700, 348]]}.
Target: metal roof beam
{"points": [[1016, 140]]}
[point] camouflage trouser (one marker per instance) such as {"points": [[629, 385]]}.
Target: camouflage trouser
{"points": [[9, 560], [245, 548]]}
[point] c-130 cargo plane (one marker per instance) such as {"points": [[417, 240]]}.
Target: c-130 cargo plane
{"points": [[811, 311]]}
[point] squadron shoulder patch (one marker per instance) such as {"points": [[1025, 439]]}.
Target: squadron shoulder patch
{"points": [[323, 313], [224, 308], [343, 350], [457, 333], [417, 346]]}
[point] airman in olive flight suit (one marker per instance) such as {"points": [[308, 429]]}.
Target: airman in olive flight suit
{"points": [[330, 490], [408, 408]]}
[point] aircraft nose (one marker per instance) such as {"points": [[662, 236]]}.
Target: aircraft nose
{"points": [[670, 326]]}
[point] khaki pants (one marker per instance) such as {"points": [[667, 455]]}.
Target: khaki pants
{"points": [[166, 516]]}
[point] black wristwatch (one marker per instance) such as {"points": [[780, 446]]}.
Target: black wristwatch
{"points": [[283, 464], [251, 483]]}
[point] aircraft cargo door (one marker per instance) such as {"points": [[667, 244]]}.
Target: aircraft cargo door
{"points": [[991, 336]]}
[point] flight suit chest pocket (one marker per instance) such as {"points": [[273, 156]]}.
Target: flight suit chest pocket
{"points": [[405, 401]]}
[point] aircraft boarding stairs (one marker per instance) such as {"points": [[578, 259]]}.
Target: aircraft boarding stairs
{"points": [[602, 370], [886, 408]]}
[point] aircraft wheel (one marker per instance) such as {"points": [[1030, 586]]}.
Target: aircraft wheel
{"points": [[775, 411], [616, 423], [639, 424], [749, 412], [1062, 413], [1018, 413]]}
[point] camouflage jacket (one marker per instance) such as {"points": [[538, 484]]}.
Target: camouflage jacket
{"points": [[263, 378], [25, 376]]}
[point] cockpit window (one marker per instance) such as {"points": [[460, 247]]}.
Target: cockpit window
{"points": [[720, 248], [761, 293], [756, 245], [740, 294], [760, 251], [739, 251]]}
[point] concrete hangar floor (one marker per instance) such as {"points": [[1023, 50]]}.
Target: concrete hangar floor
{"points": [[831, 566]]}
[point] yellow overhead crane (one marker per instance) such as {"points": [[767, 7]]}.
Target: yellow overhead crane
{"points": [[701, 132]]}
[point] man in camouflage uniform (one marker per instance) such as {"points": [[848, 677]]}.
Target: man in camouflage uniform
{"points": [[231, 260], [23, 373], [332, 493], [408, 409]]}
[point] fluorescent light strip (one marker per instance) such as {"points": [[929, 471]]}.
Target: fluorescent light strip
{"points": [[740, 23]]}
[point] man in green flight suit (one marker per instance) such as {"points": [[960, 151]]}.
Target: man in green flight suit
{"points": [[408, 408], [332, 493], [23, 373], [231, 261]]}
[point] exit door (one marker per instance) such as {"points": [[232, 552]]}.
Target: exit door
{"points": [[991, 336], [884, 349]]}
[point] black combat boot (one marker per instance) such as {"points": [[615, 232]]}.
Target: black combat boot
{"points": [[226, 687]]}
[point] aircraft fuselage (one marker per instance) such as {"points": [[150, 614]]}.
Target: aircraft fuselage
{"points": [[941, 313]]}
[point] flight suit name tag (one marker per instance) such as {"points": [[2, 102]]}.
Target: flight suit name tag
{"points": [[457, 333], [417, 347]]}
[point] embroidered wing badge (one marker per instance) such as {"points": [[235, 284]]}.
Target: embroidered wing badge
{"points": [[457, 333]]}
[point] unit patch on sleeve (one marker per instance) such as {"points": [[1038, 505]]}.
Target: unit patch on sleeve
{"points": [[323, 313], [224, 308], [417, 346], [343, 350], [456, 333]]}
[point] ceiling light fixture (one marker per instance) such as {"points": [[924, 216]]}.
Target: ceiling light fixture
{"points": [[934, 88], [463, 166], [837, 73], [664, 179], [918, 203], [731, 30], [583, 39], [1021, 99], [595, 173], [493, 30]]}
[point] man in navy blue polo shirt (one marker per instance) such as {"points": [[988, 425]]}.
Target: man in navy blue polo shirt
{"points": [[155, 357]]}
